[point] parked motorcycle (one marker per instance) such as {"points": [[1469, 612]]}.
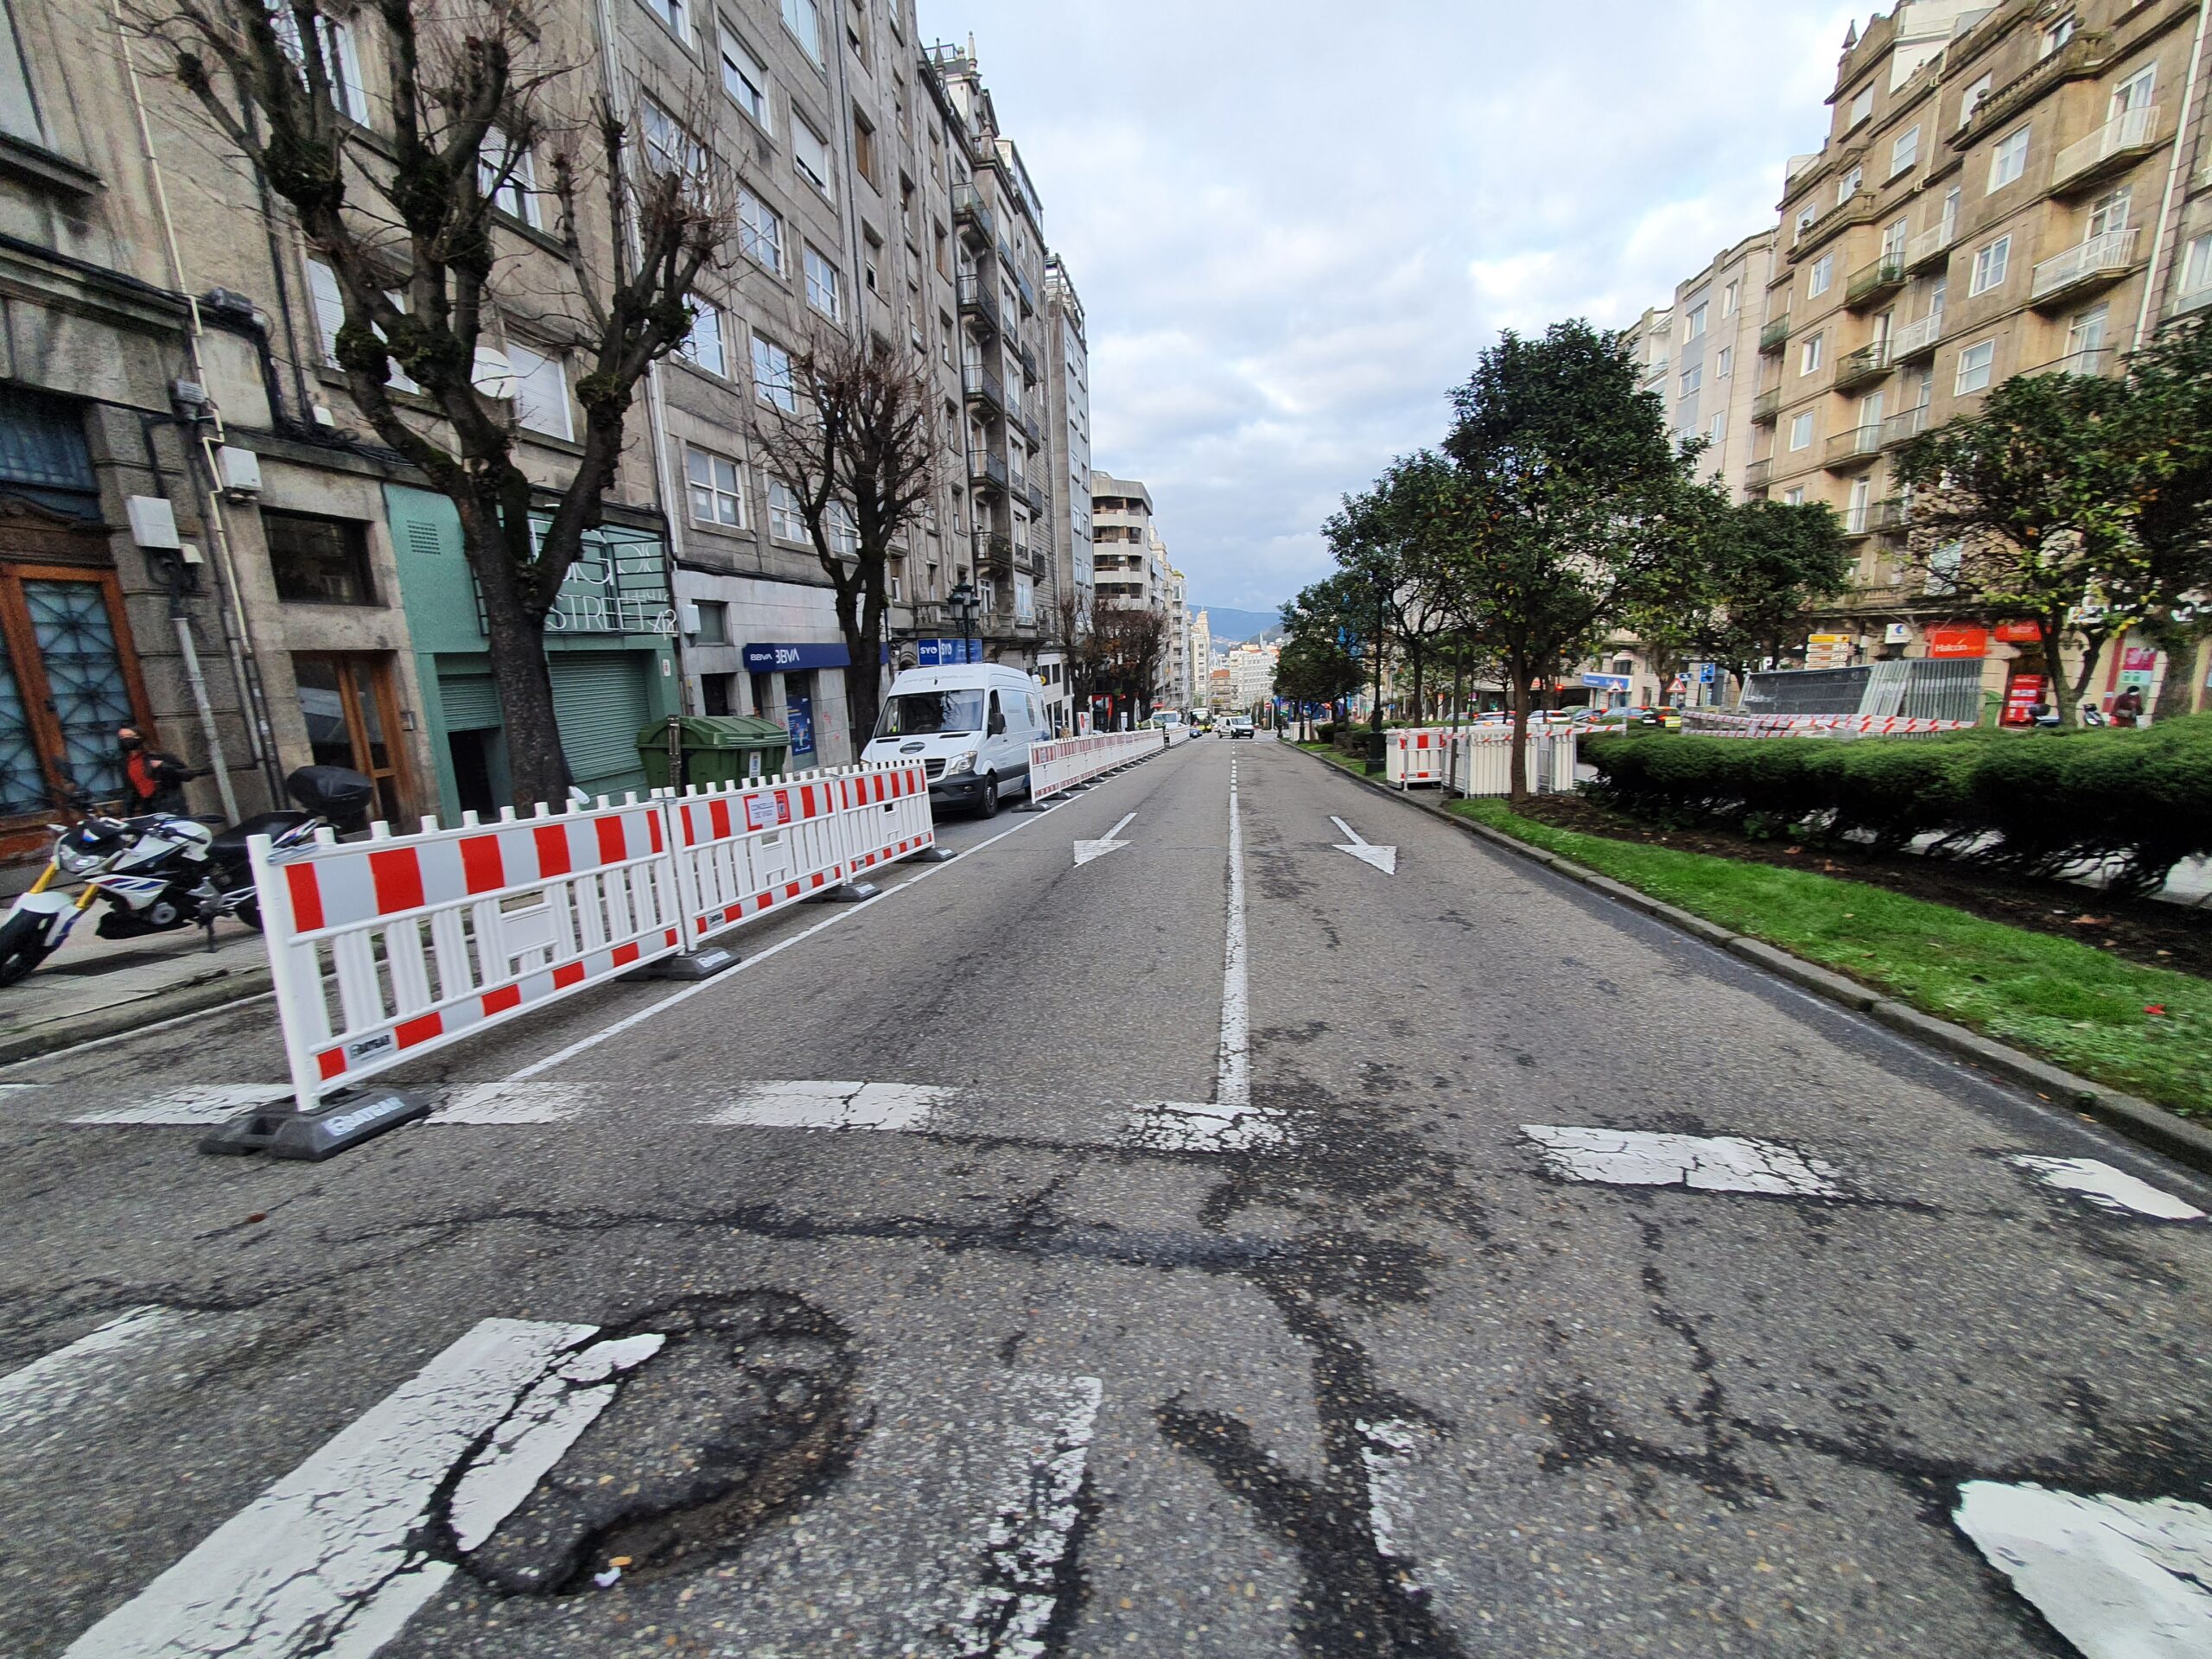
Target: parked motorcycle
{"points": [[161, 872]]}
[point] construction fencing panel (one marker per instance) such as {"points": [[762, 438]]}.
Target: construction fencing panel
{"points": [[1715, 722], [1067, 761], [1415, 756], [1479, 761]]}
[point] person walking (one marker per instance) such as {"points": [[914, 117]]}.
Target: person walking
{"points": [[156, 778]]}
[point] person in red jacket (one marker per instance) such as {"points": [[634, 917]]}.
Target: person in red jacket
{"points": [[157, 779]]}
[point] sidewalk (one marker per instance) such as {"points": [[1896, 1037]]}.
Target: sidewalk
{"points": [[93, 987]]}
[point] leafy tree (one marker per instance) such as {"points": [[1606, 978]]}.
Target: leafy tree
{"points": [[1339, 612], [1376, 537], [855, 447], [405, 218], [2168, 421], [1311, 669]]}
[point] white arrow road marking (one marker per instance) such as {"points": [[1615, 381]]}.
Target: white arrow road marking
{"points": [[320, 1562], [2107, 1188], [2119, 1579], [1718, 1163], [1384, 859], [1087, 850]]}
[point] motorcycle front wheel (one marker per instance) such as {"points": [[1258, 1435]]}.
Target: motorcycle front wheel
{"points": [[22, 946], [249, 912]]}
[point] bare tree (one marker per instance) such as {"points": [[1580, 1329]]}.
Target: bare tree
{"points": [[405, 218], [1074, 625], [851, 438], [1132, 641]]}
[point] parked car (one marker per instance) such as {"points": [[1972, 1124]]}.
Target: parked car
{"points": [[972, 726]]}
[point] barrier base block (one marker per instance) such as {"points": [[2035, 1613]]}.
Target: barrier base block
{"points": [[845, 893], [1033, 804], [703, 963], [931, 854], [323, 1132]]}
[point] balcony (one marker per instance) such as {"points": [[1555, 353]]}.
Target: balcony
{"points": [[1759, 473], [2124, 139], [1874, 518], [1870, 284], [1898, 428], [979, 299], [1776, 334], [1931, 247], [1859, 210], [1654, 373], [979, 385], [985, 470], [1767, 405], [2098, 262], [1917, 339], [1854, 448], [1030, 429], [1028, 292], [2094, 360], [994, 552], [1864, 366], [1028, 356], [971, 212], [1034, 494]]}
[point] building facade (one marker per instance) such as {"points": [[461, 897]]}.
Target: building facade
{"points": [[1123, 541]]}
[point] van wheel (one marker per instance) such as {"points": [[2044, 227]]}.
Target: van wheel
{"points": [[989, 809]]}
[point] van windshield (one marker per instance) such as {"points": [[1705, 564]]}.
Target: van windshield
{"points": [[928, 713]]}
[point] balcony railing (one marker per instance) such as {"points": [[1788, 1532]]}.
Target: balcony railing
{"points": [[1776, 334], [1767, 405], [986, 469], [1860, 443], [1759, 473], [1035, 494], [1911, 424], [995, 550], [969, 207], [1028, 356], [980, 299], [1916, 338], [1859, 367], [1030, 429], [978, 382], [1655, 371], [1932, 244], [1870, 282], [2101, 259], [2090, 360], [2127, 136]]}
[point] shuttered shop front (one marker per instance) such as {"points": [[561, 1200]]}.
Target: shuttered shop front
{"points": [[602, 699]]}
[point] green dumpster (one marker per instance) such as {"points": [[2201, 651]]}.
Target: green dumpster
{"points": [[717, 749]]}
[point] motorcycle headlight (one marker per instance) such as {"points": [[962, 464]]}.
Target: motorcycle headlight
{"points": [[960, 763]]}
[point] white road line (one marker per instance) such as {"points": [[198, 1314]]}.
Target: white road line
{"points": [[1724, 1163], [823, 1105], [91, 1367], [1233, 1088], [1087, 850], [2107, 1188], [1384, 859], [1186, 1126], [320, 1562], [2117, 1577], [1388, 1451], [199, 1102], [517, 1102], [1035, 1514]]}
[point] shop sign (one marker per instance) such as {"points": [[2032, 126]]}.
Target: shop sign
{"points": [[2138, 666], [2022, 693], [1958, 642], [2019, 633]]}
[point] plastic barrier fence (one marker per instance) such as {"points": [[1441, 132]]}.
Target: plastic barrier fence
{"points": [[1067, 761], [383, 950], [1479, 761], [1714, 723], [1415, 756]]}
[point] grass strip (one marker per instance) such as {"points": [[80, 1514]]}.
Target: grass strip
{"points": [[2071, 1004]]}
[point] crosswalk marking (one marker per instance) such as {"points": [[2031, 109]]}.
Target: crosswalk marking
{"points": [[826, 1105], [516, 1103], [1718, 1163], [322, 1562], [2106, 1188], [1033, 1516], [2119, 1579], [91, 1365], [193, 1104], [1182, 1126]]}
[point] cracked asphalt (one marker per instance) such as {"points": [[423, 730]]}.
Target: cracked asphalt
{"points": [[1029, 1379]]}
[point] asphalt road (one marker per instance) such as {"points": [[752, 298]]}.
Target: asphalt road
{"points": [[1197, 1249]]}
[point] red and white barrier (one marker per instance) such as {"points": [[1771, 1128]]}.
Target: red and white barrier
{"points": [[1415, 756], [1714, 722], [1067, 761], [383, 950]]}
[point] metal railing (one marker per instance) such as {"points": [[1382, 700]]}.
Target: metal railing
{"points": [[1860, 443], [995, 550], [1767, 405], [1036, 496], [2126, 133], [1931, 244], [1868, 283], [968, 203], [1654, 371], [1917, 337], [1867, 362], [976, 381], [979, 298], [985, 468], [1775, 335], [2089, 360], [1911, 424], [2101, 256], [1759, 473]]}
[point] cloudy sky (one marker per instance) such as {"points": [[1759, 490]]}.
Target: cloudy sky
{"points": [[1294, 225]]}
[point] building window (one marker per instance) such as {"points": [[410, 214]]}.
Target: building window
{"points": [[2086, 332], [823, 292], [785, 522], [668, 146], [714, 621], [2109, 212], [2196, 269], [1801, 430], [329, 303], [1973, 367], [341, 58], [1970, 100], [804, 19], [671, 13], [504, 175], [1692, 378], [1794, 497], [1893, 239], [1729, 296], [703, 346], [18, 108], [2008, 160], [810, 156], [318, 561], [1822, 275], [844, 530], [1695, 322], [1990, 264], [759, 231], [772, 375], [1862, 107], [1904, 151], [2058, 33], [1812, 354], [1806, 215], [716, 496], [717, 693], [2134, 92], [1719, 432], [864, 150], [540, 381], [745, 78], [1724, 362], [1847, 185]]}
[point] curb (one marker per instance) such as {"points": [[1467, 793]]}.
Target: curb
{"points": [[2138, 1119], [196, 997]]}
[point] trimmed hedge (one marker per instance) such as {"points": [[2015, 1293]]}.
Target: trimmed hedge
{"points": [[2040, 803]]}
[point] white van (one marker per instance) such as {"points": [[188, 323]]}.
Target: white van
{"points": [[972, 725]]}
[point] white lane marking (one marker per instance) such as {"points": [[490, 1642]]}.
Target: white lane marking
{"points": [[808, 1104], [1384, 859], [2119, 1579], [1034, 1515], [89, 1367], [320, 1562], [198, 1102], [1388, 1451], [1233, 1086], [1194, 1126], [1720, 1163], [843, 913], [1087, 850], [2106, 1188], [517, 1102]]}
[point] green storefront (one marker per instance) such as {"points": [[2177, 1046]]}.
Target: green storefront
{"points": [[610, 644]]}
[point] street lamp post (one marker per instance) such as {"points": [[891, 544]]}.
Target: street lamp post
{"points": [[965, 606]]}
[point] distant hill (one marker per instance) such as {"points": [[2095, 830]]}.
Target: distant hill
{"points": [[1231, 626]]}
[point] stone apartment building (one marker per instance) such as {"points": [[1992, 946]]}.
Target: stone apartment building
{"points": [[1122, 538], [1068, 397]]}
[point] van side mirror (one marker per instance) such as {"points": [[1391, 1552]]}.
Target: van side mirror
{"points": [[998, 723]]}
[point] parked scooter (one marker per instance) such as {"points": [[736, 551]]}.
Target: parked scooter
{"points": [[161, 872]]}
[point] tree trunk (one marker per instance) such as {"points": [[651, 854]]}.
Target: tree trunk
{"points": [[2175, 689], [2063, 693], [537, 770], [1517, 787]]}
